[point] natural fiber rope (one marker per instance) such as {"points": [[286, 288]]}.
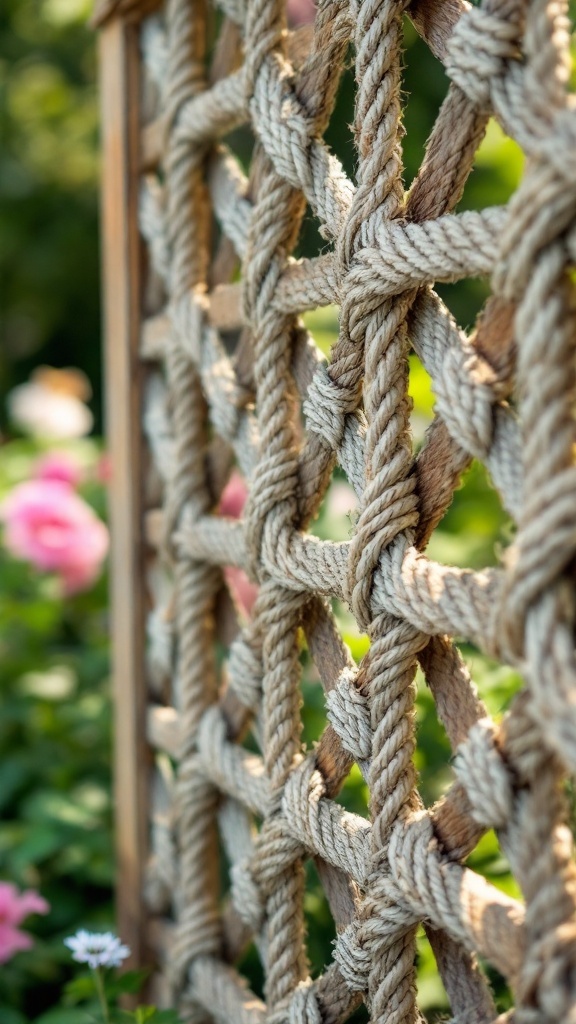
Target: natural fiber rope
{"points": [[208, 409]]}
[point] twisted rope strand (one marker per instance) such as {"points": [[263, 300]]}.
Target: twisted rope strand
{"points": [[238, 378]]}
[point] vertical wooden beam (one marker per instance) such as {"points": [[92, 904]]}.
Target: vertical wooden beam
{"points": [[119, 87]]}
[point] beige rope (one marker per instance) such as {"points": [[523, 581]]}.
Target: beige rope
{"points": [[239, 380]]}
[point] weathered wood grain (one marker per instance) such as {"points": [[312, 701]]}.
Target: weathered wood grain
{"points": [[121, 262]]}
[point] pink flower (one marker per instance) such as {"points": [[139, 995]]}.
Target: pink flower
{"points": [[232, 504], [58, 466], [50, 526], [14, 907], [300, 12], [241, 587], [234, 496], [103, 472]]}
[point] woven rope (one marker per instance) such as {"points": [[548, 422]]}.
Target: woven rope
{"points": [[211, 407]]}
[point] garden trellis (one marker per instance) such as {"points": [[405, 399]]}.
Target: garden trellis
{"points": [[206, 372]]}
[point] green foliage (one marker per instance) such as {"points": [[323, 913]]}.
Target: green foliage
{"points": [[55, 813], [82, 987], [55, 804], [145, 1015], [48, 201], [91, 989]]}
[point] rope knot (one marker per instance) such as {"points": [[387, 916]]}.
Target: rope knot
{"points": [[549, 977], [271, 510], [326, 407], [412, 850], [304, 1007], [385, 919], [303, 792], [349, 714], [484, 775], [321, 825], [300, 1007], [479, 47], [384, 532], [353, 958]]}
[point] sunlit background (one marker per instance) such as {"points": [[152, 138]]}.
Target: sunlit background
{"points": [[49, 259]]}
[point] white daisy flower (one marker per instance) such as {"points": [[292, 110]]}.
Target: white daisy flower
{"points": [[97, 949]]}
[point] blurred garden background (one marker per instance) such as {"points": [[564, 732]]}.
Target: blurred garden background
{"points": [[55, 717]]}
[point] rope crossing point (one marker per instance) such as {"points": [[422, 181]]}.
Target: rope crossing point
{"points": [[234, 378]]}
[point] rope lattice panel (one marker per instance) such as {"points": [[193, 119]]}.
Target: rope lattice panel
{"points": [[235, 383]]}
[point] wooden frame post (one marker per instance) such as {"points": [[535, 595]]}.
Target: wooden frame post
{"points": [[121, 257]]}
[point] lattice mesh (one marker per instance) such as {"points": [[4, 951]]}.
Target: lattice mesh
{"points": [[236, 385]]}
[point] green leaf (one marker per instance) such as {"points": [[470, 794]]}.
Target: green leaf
{"points": [[142, 1015], [129, 982], [164, 1017], [39, 844], [80, 989], [62, 1016], [9, 1016], [145, 1015]]}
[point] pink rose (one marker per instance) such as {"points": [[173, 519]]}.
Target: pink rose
{"points": [[300, 12], [103, 471], [14, 907], [234, 496], [58, 466], [50, 526], [232, 504], [241, 587]]}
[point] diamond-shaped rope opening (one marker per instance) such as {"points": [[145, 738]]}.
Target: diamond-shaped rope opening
{"points": [[235, 165]]}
